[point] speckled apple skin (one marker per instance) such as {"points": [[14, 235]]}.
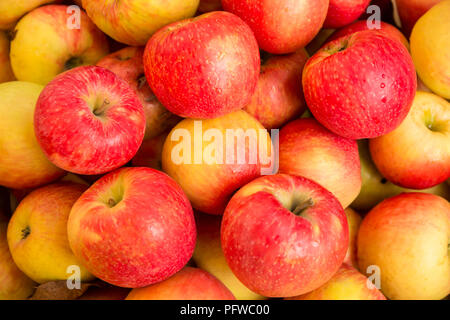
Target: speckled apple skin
{"points": [[77, 140], [342, 12], [363, 91], [276, 253], [203, 67]]}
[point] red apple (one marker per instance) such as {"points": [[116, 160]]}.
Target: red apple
{"points": [[343, 12], [203, 67], [132, 228], [284, 235], [385, 28], [188, 284], [361, 85], [89, 121], [278, 97], [411, 10], [128, 64], [308, 149], [281, 26]]}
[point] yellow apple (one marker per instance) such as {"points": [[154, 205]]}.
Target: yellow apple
{"points": [[354, 221], [37, 233], [11, 11], [6, 73], [208, 255], [48, 41], [134, 21], [430, 48], [22, 162]]}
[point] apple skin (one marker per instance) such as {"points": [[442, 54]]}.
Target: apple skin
{"points": [[354, 97], [43, 45], [209, 5], [133, 22], [387, 29], [209, 186], [128, 64], [6, 73], [157, 234], [14, 284], [375, 188], [347, 284], [417, 154], [89, 121], [430, 48], [288, 254], [354, 221], [407, 237], [37, 233], [310, 150], [343, 12], [150, 153], [22, 164], [188, 284], [12, 11], [203, 67], [411, 10], [208, 255], [282, 26], [277, 98]]}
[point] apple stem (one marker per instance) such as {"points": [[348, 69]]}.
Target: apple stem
{"points": [[111, 203], [303, 206], [98, 111]]}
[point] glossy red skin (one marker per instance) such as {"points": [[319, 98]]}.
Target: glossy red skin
{"points": [[147, 237], [364, 91], [203, 67], [278, 97], [386, 28], [281, 26], [188, 284], [343, 12], [127, 64], [276, 253], [75, 139], [310, 150]]}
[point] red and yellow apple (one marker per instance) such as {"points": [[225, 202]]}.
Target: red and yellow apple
{"points": [[133, 227], [37, 233], [12, 11], [310, 150], [282, 26], [284, 235], [407, 237], [89, 121], [203, 67], [44, 45], [22, 164], [278, 97], [6, 73], [343, 12], [353, 96]]}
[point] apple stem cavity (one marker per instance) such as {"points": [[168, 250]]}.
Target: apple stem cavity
{"points": [[72, 63], [100, 109], [26, 232], [301, 207]]}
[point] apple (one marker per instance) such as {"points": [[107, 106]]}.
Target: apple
{"points": [[308, 149], [284, 235], [133, 22], [37, 233], [353, 96], [44, 45], [375, 188], [277, 98], [343, 12], [12, 11], [128, 64], [210, 159], [354, 221], [346, 284], [204, 67], [209, 5], [411, 10], [208, 255], [282, 26], [430, 48], [6, 73], [14, 284], [105, 293], [319, 40], [387, 29], [406, 237], [150, 153], [89, 121], [157, 232], [188, 284], [22, 164], [417, 154]]}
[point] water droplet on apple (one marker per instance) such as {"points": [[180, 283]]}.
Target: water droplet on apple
{"points": [[382, 86]]}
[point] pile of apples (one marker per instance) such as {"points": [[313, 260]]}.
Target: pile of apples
{"points": [[96, 96]]}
